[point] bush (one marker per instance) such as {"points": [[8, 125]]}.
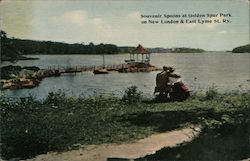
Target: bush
{"points": [[24, 73], [54, 98], [211, 93], [132, 95], [10, 71]]}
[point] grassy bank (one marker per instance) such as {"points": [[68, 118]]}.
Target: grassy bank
{"points": [[225, 134], [30, 127]]}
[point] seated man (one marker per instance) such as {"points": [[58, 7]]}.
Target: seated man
{"points": [[162, 82], [163, 85]]}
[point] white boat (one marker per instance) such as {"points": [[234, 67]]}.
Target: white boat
{"points": [[103, 70]]}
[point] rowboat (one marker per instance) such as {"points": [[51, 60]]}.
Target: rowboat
{"points": [[100, 71]]}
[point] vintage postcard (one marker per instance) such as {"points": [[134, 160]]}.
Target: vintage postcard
{"points": [[114, 80]]}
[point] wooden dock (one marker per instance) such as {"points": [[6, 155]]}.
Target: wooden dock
{"points": [[80, 68], [122, 68]]}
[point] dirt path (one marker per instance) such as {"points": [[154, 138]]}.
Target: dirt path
{"points": [[133, 150]]}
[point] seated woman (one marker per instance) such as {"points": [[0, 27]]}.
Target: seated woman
{"points": [[179, 90], [169, 84]]}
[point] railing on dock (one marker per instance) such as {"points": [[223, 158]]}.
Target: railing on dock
{"points": [[80, 68]]}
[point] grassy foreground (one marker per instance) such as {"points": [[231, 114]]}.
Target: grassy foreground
{"points": [[30, 127], [225, 135]]}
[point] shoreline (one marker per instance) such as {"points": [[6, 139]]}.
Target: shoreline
{"points": [[34, 79], [17, 59]]}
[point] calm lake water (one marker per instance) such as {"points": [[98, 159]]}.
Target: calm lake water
{"points": [[226, 71]]}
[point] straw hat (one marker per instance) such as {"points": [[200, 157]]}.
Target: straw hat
{"points": [[165, 68], [171, 69]]}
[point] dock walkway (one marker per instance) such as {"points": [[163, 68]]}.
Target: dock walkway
{"points": [[80, 68]]}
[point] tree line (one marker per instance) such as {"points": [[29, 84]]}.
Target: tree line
{"points": [[242, 49], [13, 48], [187, 50]]}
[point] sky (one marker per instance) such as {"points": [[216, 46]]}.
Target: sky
{"points": [[119, 22]]}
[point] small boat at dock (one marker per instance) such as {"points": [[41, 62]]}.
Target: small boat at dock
{"points": [[103, 70], [100, 71]]}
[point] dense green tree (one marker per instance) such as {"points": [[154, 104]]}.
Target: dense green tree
{"points": [[8, 49]]}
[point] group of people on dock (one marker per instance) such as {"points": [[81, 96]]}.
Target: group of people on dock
{"points": [[169, 86]]}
